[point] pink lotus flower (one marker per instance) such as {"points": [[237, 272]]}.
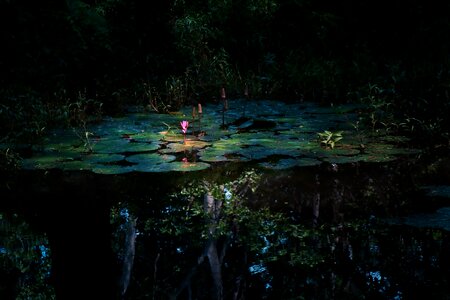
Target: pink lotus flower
{"points": [[184, 126]]}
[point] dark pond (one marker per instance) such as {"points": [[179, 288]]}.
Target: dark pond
{"points": [[257, 210]]}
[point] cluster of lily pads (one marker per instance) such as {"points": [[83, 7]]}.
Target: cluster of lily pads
{"points": [[274, 135]]}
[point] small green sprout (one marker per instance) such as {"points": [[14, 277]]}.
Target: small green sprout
{"points": [[329, 139]]}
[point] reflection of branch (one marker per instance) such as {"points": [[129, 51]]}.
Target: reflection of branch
{"points": [[187, 280], [154, 275], [316, 201], [212, 208], [130, 247]]}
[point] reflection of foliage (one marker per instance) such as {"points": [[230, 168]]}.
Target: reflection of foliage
{"points": [[25, 259], [10, 163], [263, 235], [9, 160]]}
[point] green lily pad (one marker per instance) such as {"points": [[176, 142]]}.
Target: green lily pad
{"points": [[150, 158], [344, 159], [220, 150], [190, 145], [75, 165], [287, 163], [178, 166], [120, 145], [337, 151], [274, 130], [102, 158], [187, 166], [213, 154], [376, 158], [211, 158], [259, 152], [147, 137], [43, 162], [112, 169]]}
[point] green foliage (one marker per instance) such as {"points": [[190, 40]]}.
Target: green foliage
{"points": [[379, 112], [25, 118], [192, 33], [280, 49], [81, 114], [329, 138], [85, 18], [170, 98], [176, 93]]}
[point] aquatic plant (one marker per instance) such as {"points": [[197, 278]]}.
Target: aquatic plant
{"points": [[81, 114], [184, 126], [329, 139]]}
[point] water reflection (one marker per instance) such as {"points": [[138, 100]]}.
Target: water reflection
{"points": [[247, 235], [25, 260]]}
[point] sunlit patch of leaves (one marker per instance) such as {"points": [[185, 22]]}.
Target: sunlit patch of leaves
{"points": [[329, 139]]}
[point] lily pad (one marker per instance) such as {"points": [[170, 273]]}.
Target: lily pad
{"points": [[182, 147], [75, 165], [222, 150], [112, 169], [103, 158], [177, 166], [147, 137], [43, 162], [259, 152], [120, 145], [376, 158], [187, 166], [275, 134], [150, 158], [338, 151], [287, 163]]}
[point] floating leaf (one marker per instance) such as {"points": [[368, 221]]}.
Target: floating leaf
{"points": [[103, 158], [120, 145], [150, 158], [287, 163], [276, 134], [190, 145], [187, 166], [112, 169]]}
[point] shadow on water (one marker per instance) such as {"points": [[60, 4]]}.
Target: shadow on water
{"points": [[228, 232]]}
